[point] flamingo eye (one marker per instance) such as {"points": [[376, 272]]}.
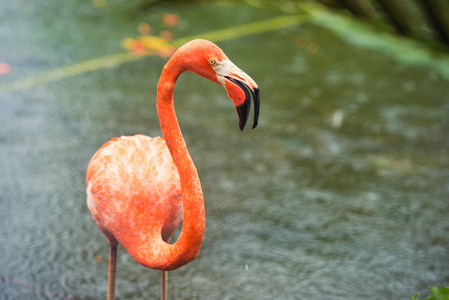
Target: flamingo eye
{"points": [[212, 61]]}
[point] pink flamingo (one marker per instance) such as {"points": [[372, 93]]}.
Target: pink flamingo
{"points": [[140, 188]]}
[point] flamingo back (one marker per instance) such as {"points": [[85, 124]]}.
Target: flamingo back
{"points": [[134, 190]]}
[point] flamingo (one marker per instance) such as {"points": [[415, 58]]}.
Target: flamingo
{"points": [[140, 188]]}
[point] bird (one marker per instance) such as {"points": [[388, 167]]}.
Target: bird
{"points": [[140, 188]]}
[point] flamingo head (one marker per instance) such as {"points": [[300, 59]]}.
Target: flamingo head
{"points": [[208, 60]]}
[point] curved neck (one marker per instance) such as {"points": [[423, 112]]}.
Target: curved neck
{"points": [[189, 242]]}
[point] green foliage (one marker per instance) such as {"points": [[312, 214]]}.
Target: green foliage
{"points": [[437, 294]]}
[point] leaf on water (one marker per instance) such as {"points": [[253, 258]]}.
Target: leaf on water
{"points": [[437, 294], [159, 45], [147, 44], [136, 46]]}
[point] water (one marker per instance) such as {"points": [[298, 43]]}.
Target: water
{"points": [[340, 193]]}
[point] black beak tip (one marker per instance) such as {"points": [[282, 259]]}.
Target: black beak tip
{"points": [[243, 112], [244, 108], [256, 97]]}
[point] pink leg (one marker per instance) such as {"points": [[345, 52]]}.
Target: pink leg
{"points": [[112, 268], [164, 278], [164, 275]]}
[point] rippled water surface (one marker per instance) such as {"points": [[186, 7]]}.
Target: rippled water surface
{"points": [[340, 193]]}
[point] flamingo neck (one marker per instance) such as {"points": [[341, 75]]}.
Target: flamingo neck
{"points": [[189, 242]]}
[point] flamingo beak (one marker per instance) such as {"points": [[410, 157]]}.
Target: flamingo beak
{"points": [[242, 91], [240, 88]]}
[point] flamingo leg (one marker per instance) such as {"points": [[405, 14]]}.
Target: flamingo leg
{"points": [[112, 269], [164, 276]]}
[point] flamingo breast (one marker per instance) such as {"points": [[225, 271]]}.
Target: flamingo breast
{"points": [[134, 190]]}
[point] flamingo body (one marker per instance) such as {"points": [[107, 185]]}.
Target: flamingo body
{"points": [[134, 191]]}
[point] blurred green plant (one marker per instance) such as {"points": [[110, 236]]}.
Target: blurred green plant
{"points": [[437, 294], [424, 21]]}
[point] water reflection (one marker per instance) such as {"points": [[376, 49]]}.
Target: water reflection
{"points": [[341, 191]]}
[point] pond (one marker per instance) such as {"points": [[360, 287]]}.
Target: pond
{"points": [[341, 192]]}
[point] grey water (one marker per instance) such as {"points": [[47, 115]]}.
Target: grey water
{"points": [[341, 192]]}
